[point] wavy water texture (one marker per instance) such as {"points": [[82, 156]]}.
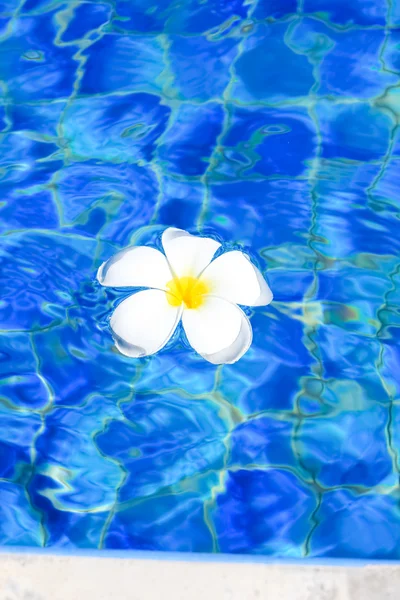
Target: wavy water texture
{"points": [[276, 127]]}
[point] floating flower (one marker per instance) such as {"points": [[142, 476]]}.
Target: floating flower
{"points": [[186, 284]]}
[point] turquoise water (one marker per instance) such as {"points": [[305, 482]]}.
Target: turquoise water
{"points": [[274, 126]]}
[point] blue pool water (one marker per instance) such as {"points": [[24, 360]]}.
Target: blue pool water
{"points": [[273, 125]]}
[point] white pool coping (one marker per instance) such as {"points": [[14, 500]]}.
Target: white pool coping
{"points": [[51, 577]]}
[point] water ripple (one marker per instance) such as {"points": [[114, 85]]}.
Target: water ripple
{"points": [[276, 128]]}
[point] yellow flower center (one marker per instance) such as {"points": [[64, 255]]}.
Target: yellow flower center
{"points": [[188, 290]]}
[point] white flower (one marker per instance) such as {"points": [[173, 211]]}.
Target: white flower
{"points": [[184, 284]]}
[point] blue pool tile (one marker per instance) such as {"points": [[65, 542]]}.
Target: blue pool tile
{"points": [[339, 284], [35, 68], [385, 195], [8, 6], [260, 207], [43, 118], [161, 433], [54, 488], [355, 350], [261, 77], [391, 53], [181, 202], [18, 433], [291, 284], [344, 180], [171, 522], [348, 449], [20, 523], [190, 18], [270, 141], [3, 119], [28, 210], [262, 441], [388, 313], [176, 369], [26, 165], [276, 9], [117, 129], [331, 243], [59, 443], [261, 381], [313, 39], [359, 12], [198, 17], [92, 189], [83, 338], [201, 67], [27, 303], [390, 378], [357, 52], [85, 18], [12, 458], [263, 512], [394, 13], [351, 313], [128, 63], [188, 143], [17, 355], [26, 390], [356, 525], [60, 528], [354, 131], [138, 16], [348, 192], [41, 6]]}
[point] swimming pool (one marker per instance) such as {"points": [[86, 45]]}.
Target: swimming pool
{"points": [[272, 127]]}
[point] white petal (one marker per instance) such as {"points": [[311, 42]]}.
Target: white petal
{"points": [[144, 322], [137, 266], [188, 254], [218, 330], [234, 277]]}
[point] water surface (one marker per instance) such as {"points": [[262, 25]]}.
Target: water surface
{"points": [[273, 125]]}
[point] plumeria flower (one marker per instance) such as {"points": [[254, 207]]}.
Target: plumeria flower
{"points": [[184, 284]]}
